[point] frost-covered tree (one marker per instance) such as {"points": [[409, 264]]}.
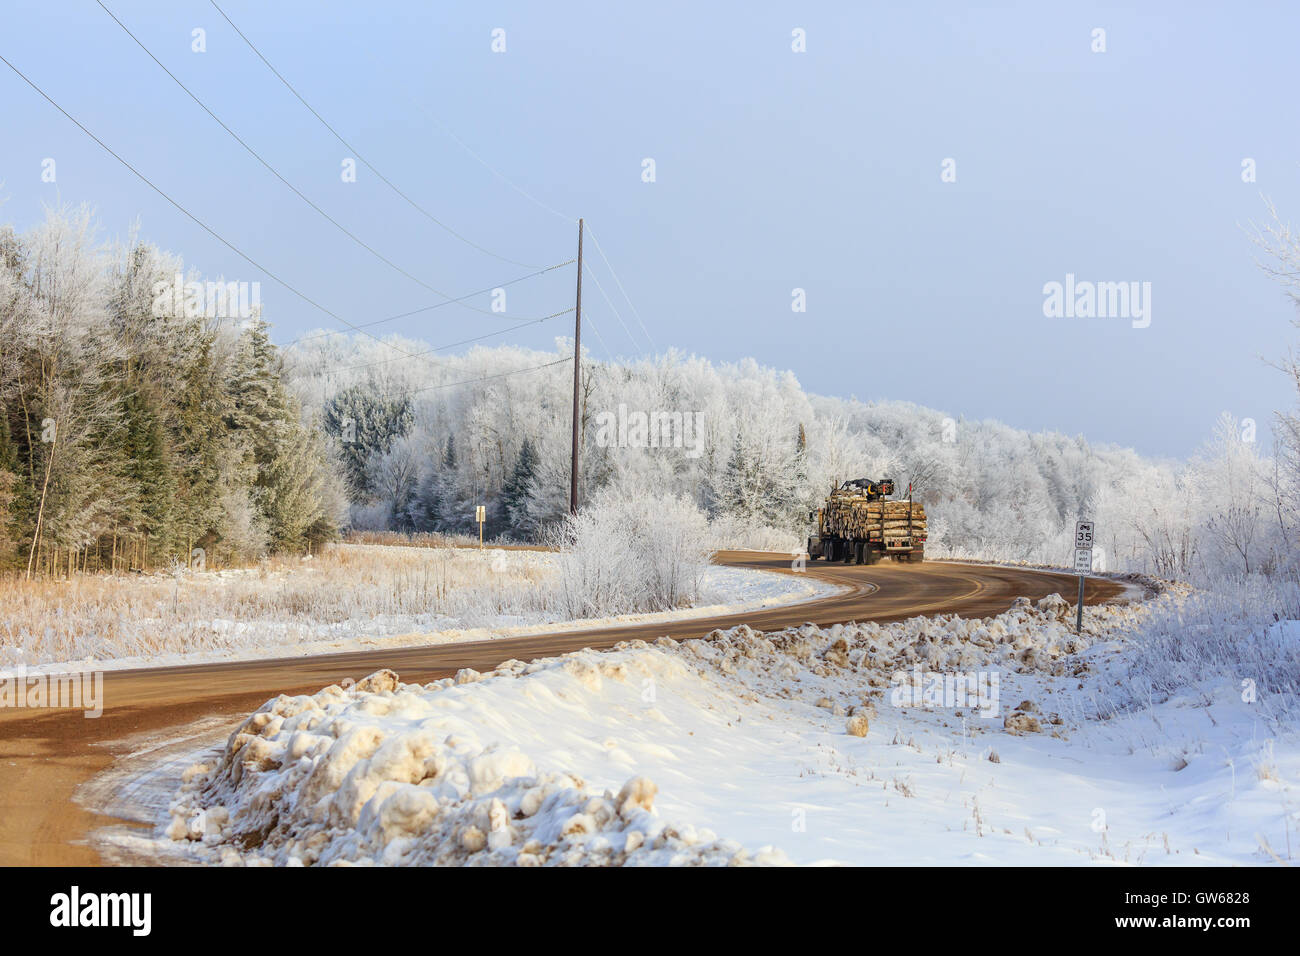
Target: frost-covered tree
{"points": [[762, 452], [1230, 476], [518, 488], [1281, 244], [132, 434], [365, 423]]}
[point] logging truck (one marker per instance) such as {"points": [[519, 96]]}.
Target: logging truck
{"points": [[860, 524]]}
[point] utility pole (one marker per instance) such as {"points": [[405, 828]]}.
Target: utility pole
{"points": [[577, 368]]}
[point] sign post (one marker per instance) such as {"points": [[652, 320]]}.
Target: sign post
{"points": [[1083, 540], [480, 515]]}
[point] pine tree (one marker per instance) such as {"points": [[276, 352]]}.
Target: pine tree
{"points": [[517, 488], [11, 488], [446, 484], [149, 483], [131, 433], [289, 460], [365, 425]]}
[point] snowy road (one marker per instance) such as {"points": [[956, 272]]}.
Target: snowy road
{"points": [[46, 755]]}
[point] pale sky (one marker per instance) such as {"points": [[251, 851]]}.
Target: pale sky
{"points": [[774, 170]]}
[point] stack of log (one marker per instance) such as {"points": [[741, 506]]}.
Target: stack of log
{"points": [[851, 515]]}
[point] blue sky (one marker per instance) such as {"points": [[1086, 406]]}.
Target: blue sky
{"points": [[774, 170]]}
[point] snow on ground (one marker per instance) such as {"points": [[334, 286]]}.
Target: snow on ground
{"points": [[745, 748], [725, 590]]}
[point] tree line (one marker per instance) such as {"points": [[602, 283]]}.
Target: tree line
{"points": [[425, 443], [137, 432]]}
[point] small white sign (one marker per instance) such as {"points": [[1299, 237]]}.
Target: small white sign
{"points": [[1083, 536], [480, 514], [1083, 560]]}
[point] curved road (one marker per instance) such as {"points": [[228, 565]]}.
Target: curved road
{"points": [[46, 755]]}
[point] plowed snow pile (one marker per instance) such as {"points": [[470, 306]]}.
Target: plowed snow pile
{"points": [[715, 751], [395, 774]]}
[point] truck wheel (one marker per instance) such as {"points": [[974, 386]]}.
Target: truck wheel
{"points": [[917, 556], [859, 556]]}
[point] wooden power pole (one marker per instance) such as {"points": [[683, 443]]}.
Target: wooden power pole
{"points": [[577, 369]]}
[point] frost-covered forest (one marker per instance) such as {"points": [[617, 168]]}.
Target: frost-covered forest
{"points": [[426, 451], [134, 437]]}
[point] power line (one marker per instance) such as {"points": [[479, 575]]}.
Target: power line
{"points": [[296, 191], [387, 182], [614, 308], [488, 378], [196, 220], [439, 305], [609, 356], [542, 205], [621, 289], [492, 169], [440, 348], [243, 255]]}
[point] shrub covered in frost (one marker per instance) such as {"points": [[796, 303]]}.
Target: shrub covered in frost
{"points": [[630, 555], [1239, 631]]}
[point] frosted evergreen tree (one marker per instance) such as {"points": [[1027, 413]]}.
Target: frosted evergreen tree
{"points": [[518, 488], [365, 424]]}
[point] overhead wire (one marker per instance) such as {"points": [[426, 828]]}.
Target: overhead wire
{"points": [[619, 282], [355, 152], [196, 220], [441, 348], [489, 167], [360, 327], [488, 378], [275, 172], [439, 305], [591, 272]]}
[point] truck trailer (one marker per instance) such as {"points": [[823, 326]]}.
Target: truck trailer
{"points": [[860, 524]]}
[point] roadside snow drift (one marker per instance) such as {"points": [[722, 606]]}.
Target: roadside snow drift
{"points": [[806, 745], [399, 774]]}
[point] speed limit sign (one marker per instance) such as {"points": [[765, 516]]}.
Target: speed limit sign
{"points": [[1083, 538]]}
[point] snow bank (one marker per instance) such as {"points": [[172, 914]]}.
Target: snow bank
{"points": [[563, 761], [389, 773], [805, 746]]}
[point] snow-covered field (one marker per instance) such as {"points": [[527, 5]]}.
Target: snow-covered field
{"points": [[356, 597], [802, 746]]}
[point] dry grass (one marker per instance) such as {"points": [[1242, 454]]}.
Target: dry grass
{"points": [[419, 539], [345, 591]]}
